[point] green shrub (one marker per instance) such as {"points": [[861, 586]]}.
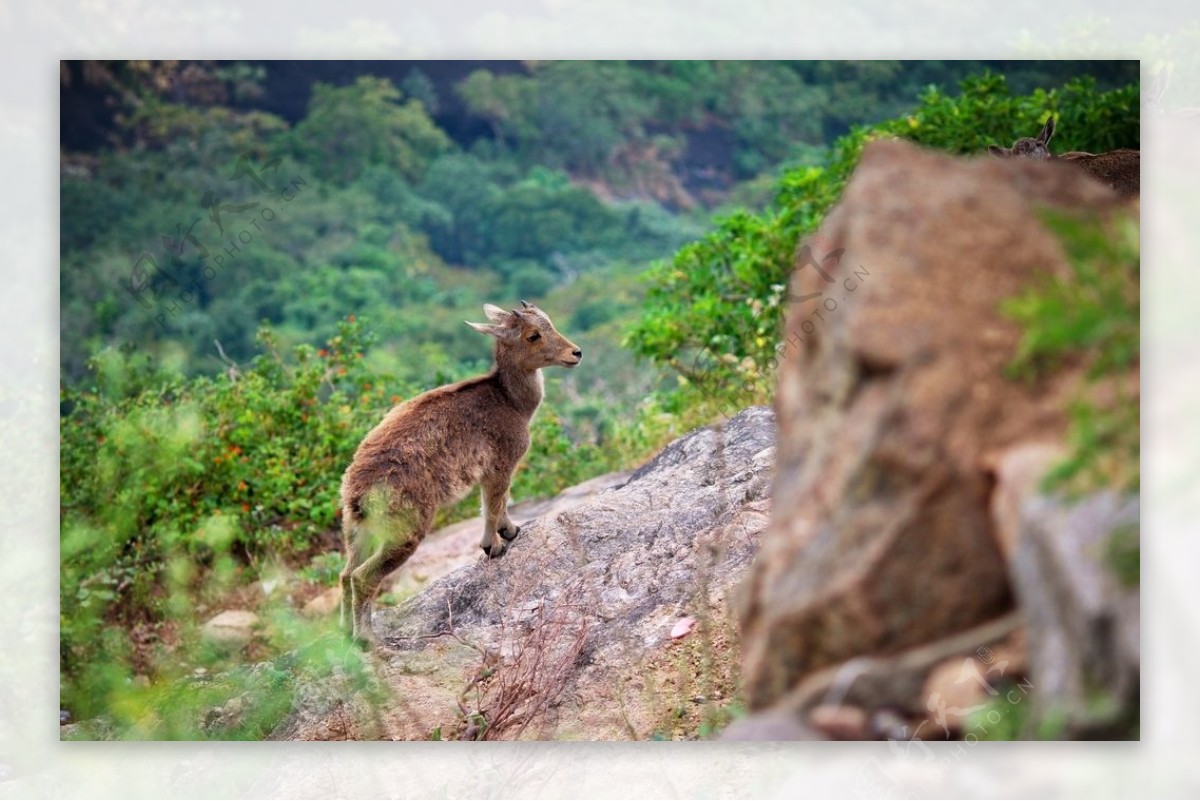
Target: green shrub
{"points": [[1091, 315], [159, 474]]}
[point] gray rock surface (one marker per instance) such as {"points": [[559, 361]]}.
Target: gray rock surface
{"points": [[639, 548], [772, 726], [1083, 625], [457, 545]]}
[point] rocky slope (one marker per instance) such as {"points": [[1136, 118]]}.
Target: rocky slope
{"points": [[600, 623]]}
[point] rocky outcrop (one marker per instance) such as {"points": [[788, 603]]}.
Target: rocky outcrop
{"points": [[559, 637], [884, 558], [1082, 620], [457, 545]]}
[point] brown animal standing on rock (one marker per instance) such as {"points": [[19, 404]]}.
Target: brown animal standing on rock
{"points": [[432, 449], [1120, 169]]}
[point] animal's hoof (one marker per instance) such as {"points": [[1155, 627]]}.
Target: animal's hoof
{"points": [[495, 551], [509, 534]]}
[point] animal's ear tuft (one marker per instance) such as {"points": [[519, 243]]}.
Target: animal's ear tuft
{"points": [[996, 150], [495, 313]]}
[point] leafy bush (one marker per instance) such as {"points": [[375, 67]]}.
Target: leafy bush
{"points": [[221, 698], [160, 474], [1092, 315]]}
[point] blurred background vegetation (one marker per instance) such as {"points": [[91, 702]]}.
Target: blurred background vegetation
{"points": [[259, 258]]}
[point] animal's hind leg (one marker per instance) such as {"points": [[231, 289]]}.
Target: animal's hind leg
{"points": [[390, 554], [365, 581], [355, 554]]}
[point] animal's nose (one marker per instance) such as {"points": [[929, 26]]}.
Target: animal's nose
{"points": [[577, 353]]}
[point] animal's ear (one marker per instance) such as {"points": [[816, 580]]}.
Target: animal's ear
{"points": [[996, 150], [1047, 132], [497, 331], [495, 313]]}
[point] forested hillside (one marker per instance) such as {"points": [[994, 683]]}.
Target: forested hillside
{"points": [[559, 171]]}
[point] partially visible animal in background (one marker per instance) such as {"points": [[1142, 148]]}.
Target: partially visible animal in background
{"points": [[1120, 170]]}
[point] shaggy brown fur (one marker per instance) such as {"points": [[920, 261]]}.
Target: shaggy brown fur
{"points": [[432, 449], [1120, 169]]}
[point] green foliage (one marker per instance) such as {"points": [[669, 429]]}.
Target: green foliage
{"points": [[351, 128], [389, 202], [465, 189], [1093, 310], [159, 474], [417, 85], [223, 699], [582, 115], [89, 212], [985, 112], [373, 247], [773, 110], [544, 212], [570, 114], [1104, 448], [324, 568], [1006, 716], [713, 312], [1092, 315], [536, 220], [556, 461], [1123, 553]]}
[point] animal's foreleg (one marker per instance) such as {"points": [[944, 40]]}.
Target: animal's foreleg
{"points": [[498, 528]]}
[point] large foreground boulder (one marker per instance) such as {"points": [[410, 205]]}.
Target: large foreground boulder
{"points": [[892, 400]]}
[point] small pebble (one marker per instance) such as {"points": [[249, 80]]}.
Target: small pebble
{"points": [[683, 627]]}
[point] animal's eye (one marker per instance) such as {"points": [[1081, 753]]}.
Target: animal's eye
{"points": [[535, 337]]}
